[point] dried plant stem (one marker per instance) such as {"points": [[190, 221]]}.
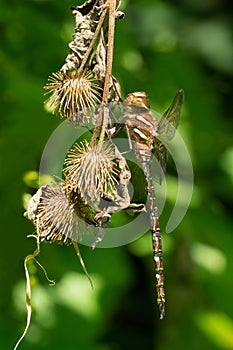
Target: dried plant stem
{"points": [[28, 298], [28, 288], [111, 29], [88, 52], [76, 247]]}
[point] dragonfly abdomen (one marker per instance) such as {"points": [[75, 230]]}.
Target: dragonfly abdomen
{"points": [[158, 259], [156, 241], [143, 153]]}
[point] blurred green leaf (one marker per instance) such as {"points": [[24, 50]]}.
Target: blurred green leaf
{"points": [[210, 258], [218, 327]]}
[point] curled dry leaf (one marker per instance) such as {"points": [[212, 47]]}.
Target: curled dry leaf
{"points": [[87, 17]]}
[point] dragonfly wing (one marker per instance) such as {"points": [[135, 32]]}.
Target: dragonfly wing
{"points": [[170, 119], [160, 153]]}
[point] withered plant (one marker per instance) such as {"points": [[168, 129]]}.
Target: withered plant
{"points": [[93, 171], [96, 174]]}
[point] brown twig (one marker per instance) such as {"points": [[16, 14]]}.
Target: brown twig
{"points": [[88, 52], [111, 28]]}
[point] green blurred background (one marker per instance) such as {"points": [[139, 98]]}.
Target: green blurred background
{"points": [[160, 46]]}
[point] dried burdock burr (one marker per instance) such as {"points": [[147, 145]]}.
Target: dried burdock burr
{"points": [[92, 169], [73, 96]]}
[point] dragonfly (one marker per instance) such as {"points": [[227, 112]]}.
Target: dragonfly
{"points": [[150, 136]]}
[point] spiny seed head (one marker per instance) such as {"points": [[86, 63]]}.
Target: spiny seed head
{"points": [[72, 95], [59, 214], [56, 219], [92, 169]]}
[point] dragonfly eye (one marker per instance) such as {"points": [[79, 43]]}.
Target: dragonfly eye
{"points": [[138, 99], [143, 101]]}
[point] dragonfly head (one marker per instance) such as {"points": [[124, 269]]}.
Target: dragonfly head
{"points": [[138, 99]]}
